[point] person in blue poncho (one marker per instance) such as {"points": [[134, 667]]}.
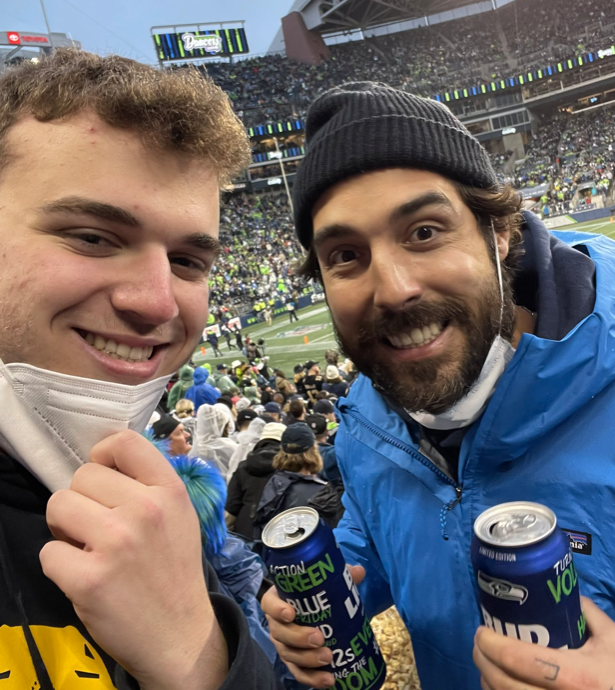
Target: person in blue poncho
{"points": [[486, 346], [201, 392]]}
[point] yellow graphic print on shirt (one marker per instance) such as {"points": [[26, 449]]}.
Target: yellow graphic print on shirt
{"points": [[71, 661]]}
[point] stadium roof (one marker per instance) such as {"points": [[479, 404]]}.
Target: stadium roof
{"points": [[345, 15]]}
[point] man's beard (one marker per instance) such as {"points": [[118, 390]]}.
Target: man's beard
{"points": [[436, 383]]}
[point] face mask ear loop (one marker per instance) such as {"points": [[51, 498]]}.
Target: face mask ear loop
{"points": [[499, 270]]}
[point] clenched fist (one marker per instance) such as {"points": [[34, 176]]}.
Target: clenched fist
{"points": [[128, 556]]}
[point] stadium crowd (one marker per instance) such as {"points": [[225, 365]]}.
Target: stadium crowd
{"points": [[424, 61], [259, 251], [570, 152]]}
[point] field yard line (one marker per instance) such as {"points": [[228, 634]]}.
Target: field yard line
{"points": [[322, 337], [278, 324], [300, 347]]}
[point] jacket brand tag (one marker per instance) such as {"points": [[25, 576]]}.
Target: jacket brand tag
{"points": [[580, 542]]}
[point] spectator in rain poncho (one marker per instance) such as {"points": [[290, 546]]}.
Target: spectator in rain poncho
{"points": [[212, 441], [225, 404], [180, 388], [201, 392], [246, 440]]}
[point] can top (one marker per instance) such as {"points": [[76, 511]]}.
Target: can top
{"points": [[290, 527], [519, 523]]}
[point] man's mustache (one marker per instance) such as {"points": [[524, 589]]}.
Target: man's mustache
{"points": [[417, 316]]}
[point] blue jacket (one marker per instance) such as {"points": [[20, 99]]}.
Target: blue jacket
{"points": [[546, 436], [201, 392]]}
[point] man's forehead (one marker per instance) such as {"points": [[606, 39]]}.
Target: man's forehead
{"points": [[84, 133], [82, 157]]}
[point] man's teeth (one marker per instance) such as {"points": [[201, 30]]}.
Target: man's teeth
{"points": [[119, 350], [416, 337]]}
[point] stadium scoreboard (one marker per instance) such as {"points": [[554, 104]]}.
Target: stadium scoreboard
{"points": [[183, 43]]}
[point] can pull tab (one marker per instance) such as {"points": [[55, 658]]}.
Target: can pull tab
{"points": [[512, 524], [293, 530]]}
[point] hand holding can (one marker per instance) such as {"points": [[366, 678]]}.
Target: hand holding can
{"points": [[310, 573]]}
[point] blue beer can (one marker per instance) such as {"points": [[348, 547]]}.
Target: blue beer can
{"points": [[527, 585], [309, 573]]}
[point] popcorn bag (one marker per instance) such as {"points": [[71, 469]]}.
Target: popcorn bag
{"points": [[396, 647]]}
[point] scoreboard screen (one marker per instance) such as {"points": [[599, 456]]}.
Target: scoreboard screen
{"points": [[191, 45]]}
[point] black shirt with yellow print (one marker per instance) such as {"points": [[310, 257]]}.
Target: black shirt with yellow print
{"points": [[43, 644]]}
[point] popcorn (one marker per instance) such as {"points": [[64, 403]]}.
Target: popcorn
{"points": [[396, 647]]}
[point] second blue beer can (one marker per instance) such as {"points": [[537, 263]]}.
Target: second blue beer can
{"points": [[527, 584]]}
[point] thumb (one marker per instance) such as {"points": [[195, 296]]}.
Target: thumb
{"points": [[598, 622], [357, 572]]}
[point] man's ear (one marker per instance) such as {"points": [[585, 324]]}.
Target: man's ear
{"points": [[503, 244]]}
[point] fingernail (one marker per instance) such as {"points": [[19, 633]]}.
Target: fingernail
{"points": [[315, 640], [324, 657], [288, 616]]}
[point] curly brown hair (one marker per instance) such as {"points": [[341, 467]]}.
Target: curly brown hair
{"points": [[175, 110], [498, 205]]}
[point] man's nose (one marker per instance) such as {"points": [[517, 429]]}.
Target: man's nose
{"points": [[395, 283], [145, 291]]}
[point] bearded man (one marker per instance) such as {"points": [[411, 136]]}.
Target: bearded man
{"points": [[486, 347]]}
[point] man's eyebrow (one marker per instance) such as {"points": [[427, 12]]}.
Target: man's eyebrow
{"points": [[77, 205], [428, 199], [336, 231], [204, 242], [339, 231]]}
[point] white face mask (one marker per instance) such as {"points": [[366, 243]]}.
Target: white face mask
{"points": [[467, 410], [51, 421], [473, 404]]}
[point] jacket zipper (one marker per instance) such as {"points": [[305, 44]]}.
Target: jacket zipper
{"points": [[391, 440]]}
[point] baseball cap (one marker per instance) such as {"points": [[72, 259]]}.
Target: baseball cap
{"points": [[165, 426], [273, 431], [246, 414], [220, 367], [298, 368], [273, 407], [317, 423], [310, 364], [331, 372], [236, 363], [324, 407], [297, 438]]}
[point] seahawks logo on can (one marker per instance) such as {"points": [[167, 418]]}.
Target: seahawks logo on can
{"points": [[502, 589]]}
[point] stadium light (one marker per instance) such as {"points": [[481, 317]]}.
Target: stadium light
{"points": [[290, 199], [47, 23]]}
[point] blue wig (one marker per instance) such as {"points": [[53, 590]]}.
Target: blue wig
{"points": [[207, 490]]}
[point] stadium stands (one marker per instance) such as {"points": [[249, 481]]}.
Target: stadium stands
{"points": [[260, 249], [426, 61]]}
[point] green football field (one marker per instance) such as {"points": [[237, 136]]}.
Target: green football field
{"points": [[285, 342]]}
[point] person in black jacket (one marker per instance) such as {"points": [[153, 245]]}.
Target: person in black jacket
{"points": [[103, 295], [250, 478], [296, 482]]}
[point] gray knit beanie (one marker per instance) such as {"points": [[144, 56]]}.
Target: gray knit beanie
{"points": [[364, 126]]}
